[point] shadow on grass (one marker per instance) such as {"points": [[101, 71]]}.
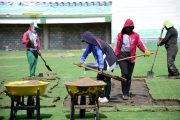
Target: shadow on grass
{"points": [[42, 116], [2, 118], [165, 76], [89, 116]]}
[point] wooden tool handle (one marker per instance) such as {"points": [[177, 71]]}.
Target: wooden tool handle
{"points": [[132, 57], [104, 73]]}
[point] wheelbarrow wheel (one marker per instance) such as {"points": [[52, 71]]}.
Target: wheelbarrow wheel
{"points": [[30, 102], [96, 114]]}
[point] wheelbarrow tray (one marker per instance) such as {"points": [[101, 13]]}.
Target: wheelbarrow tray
{"points": [[85, 86], [84, 90], [22, 88]]}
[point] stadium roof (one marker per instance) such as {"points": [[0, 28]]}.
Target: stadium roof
{"points": [[55, 12]]}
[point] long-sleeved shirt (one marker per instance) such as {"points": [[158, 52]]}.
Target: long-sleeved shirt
{"points": [[97, 53], [134, 40], [25, 40], [170, 39]]}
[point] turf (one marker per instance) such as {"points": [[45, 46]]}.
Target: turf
{"points": [[161, 88], [13, 66]]}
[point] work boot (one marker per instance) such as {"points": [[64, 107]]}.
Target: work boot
{"points": [[125, 97], [174, 77], [177, 77]]}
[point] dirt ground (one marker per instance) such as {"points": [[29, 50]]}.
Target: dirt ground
{"points": [[140, 96]]}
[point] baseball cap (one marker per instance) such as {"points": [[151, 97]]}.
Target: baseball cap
{"points": [[34, 24]]}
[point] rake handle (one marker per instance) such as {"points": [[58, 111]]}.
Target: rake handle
{"points": [[132, 57], [104, 73]]}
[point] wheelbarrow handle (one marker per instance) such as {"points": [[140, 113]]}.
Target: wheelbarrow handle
{"points": [[14, 98], [133, 57], [104, 73]]}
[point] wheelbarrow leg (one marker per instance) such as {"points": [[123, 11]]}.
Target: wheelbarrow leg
{"points": [[96, 113], [73, 100], [82, 111], [30, 102], [38, 105], [96, 109], [12, 109], [15, 110]]}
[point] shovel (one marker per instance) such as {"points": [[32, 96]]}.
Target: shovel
{"points": [[150, 74], [104, 73], [47, 66]]}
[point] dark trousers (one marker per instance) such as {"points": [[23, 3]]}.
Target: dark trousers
{"points": [[126, 71], [107, 87], [171, 56]]}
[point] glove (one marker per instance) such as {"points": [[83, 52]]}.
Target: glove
{"points": [[100, 71], [159, 42], [39, 52], [79, 64], [147, 53]]}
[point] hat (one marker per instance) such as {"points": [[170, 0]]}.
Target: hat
{"points": [[167, 24], [34, 24]]}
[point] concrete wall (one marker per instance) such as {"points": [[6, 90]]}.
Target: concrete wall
{"points": [[10, 36], [53, 36]]}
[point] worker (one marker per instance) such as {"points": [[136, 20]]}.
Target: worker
{"points": [[32, 42], [127, 41], [170, 42], [105, 58]]}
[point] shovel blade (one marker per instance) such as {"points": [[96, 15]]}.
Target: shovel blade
{"points": [[47, 66], [150, 74]]}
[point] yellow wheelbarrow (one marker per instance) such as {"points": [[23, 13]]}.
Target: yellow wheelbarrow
{"points": [[18, 90], [85, 87]]}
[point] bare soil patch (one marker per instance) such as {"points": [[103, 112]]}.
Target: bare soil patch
{"points": [[140, 96], [60, 55]]}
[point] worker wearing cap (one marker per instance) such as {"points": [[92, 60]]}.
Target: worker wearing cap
{"points": [[32, 42], [170, 42], [127, 41]]}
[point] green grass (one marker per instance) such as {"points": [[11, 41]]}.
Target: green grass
{"points": [[142, 116], [164, 88], [14, 66]]}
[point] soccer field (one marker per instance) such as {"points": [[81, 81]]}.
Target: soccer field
{"points": [[14, 66]]}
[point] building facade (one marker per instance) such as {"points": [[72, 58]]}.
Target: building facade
{"points": [[61, 23]]}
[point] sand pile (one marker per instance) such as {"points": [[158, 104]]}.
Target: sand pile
{"points": [[84, 82], [26, 83]]}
